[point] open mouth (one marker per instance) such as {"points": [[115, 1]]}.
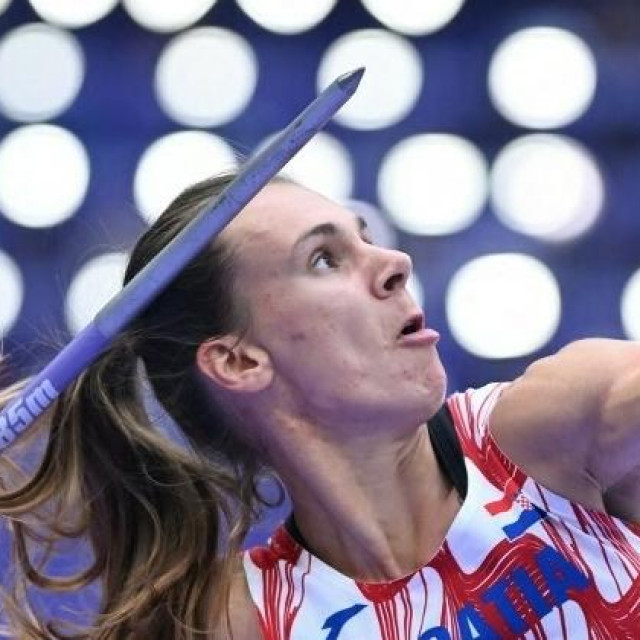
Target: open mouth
{"points": [[413, 325]]}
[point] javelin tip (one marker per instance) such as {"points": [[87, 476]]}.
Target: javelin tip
{"points": [[349, 81]]}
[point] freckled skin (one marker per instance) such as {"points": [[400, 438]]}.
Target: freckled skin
{"points": [[332, 333], [326, 389]]}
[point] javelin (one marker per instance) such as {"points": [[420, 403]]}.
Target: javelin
{"points": [[85, 348]]}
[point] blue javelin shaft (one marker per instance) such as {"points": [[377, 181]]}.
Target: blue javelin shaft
{"points": [[85, 348]]}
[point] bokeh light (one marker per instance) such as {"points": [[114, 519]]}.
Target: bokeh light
{"points": [[4, 4], [630, 307], [44, 175], [542, 77], [94, 284], [167, 16], [503, 305], [324, 165], [71, 13], [433, 184], [279, 16], [547, 186], [174, 162], [41, 72], [414, 17], [391, 85], [11, 293], [205, 77]]}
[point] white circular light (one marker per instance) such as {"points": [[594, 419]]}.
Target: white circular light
{"points": [[11, 293], [95, 283], [205, 77], [630, 307], [323, 165], [413, 17], [391, 85], [433, 184], [4, 4], [547, 186], [44, 175], [503, 305], [71, 13], [174, 162], [281, 17], [167, 16], [542, 77], [41, 72]]}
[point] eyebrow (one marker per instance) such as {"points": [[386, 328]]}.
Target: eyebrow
{"points": [[327, 229]]}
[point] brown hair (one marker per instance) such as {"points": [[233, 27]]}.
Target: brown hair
{"points": [[165, 520]]}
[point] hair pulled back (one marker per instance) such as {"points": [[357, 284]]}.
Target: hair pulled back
{"points": [[165, 520]]}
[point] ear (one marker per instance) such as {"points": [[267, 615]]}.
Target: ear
{"points": [[234, 364]]}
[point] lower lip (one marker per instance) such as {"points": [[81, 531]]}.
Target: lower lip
{"points": [[424, 336]]}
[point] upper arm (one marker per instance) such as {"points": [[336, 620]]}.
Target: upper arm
{"points": [[574, 418]]}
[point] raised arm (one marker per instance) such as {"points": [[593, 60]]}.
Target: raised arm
{"points": [[572, 421]]}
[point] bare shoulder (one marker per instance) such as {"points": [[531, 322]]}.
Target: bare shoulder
{"points": [[555, 419], [243, 616], [569, 384]]}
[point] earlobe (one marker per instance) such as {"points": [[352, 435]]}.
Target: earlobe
{"points": [[234, 365]]}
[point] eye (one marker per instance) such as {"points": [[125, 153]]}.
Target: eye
{"points": [[323, 259]]}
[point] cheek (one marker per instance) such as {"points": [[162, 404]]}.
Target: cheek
{"points": [[298, 337], [280, 324], [317, 331], [306, 336], [284, 320]]}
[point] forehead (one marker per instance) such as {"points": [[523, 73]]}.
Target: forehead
{"points": [[279, 215]]}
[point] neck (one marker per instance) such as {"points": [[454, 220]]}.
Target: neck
{"points": [[375, 509]]}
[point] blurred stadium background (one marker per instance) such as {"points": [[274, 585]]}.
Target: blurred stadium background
{"points": [[497, 142]]}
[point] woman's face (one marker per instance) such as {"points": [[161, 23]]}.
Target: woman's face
{"points": [[329, 309]]}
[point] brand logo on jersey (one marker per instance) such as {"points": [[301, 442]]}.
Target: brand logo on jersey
{"points": [[19, 415], [336, 621]]}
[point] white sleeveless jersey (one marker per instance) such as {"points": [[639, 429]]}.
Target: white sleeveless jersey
{"points": [[518, 562]]}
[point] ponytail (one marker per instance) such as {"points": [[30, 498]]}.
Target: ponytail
{"points": [[165, 520], [165, 523]]}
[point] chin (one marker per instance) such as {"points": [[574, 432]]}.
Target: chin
{"points": [[436, 393]]}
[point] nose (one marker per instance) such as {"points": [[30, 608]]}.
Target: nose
{"points": [[392, 273]]}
